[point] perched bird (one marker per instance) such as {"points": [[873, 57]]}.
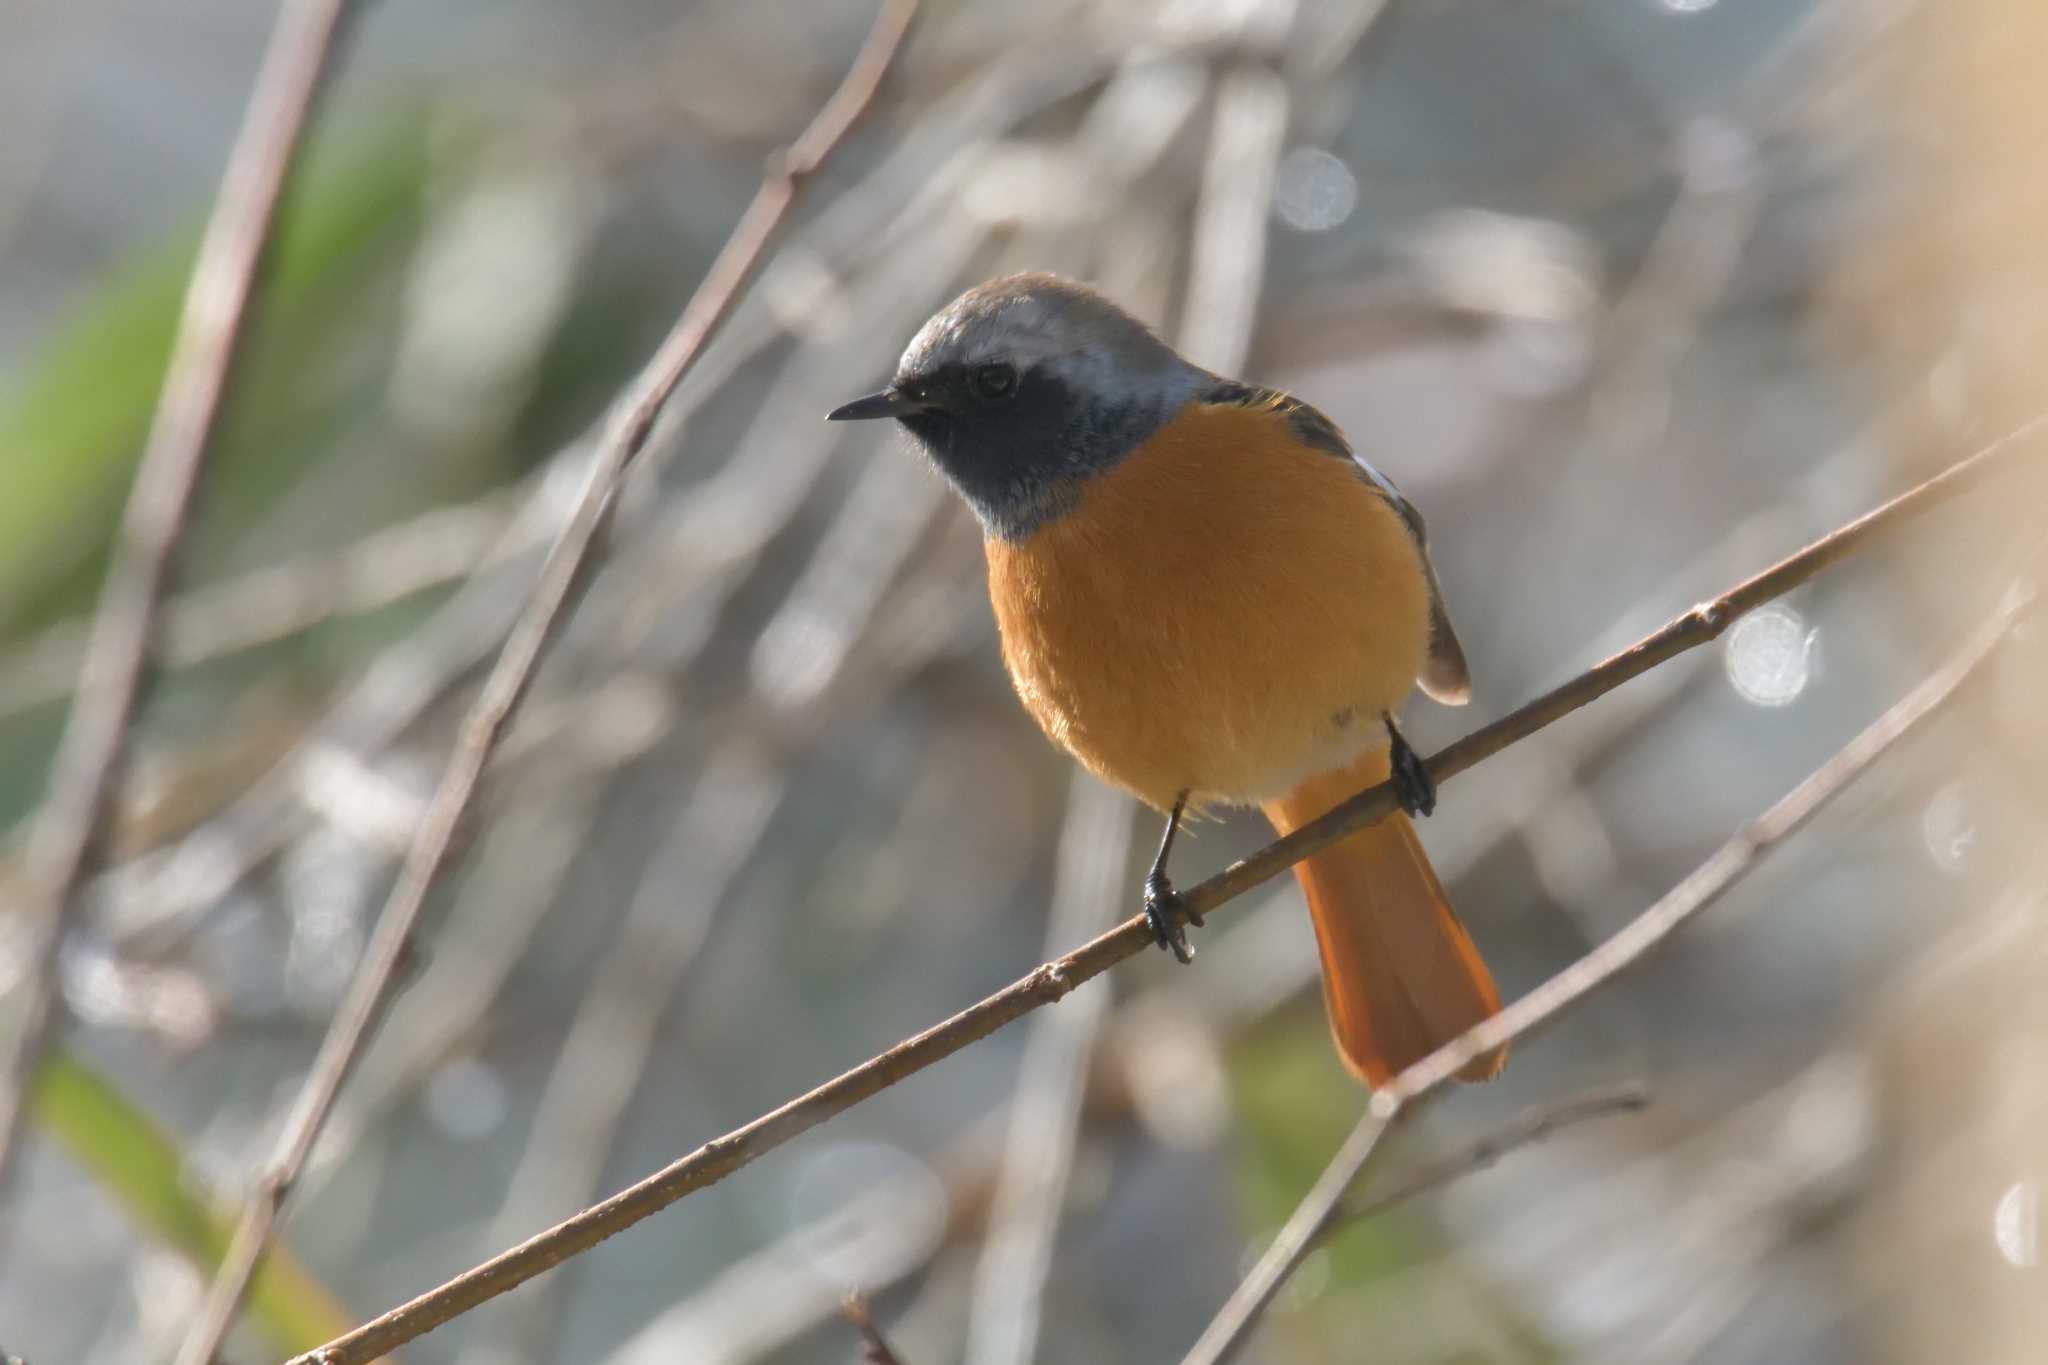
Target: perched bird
{"points": [[1207, 598]]}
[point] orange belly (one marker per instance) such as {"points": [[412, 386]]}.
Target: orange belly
{"points": [[1224, 612]]}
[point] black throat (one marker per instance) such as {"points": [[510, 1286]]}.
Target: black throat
{"points": [[1023, 461]]}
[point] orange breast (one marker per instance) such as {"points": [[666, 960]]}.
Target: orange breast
{"points": [[1225, 611]]}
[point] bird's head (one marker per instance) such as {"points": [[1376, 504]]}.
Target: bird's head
{"points": [[1022, 388]]}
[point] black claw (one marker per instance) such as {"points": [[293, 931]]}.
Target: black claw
{"points": [[1165, 911], [1165, 914], [1413, 786]]}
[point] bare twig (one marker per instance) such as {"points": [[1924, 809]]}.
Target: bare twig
{"points": [[492, 712], [65, 837], [1533, 1126], [1324, 1202], [1304, 1227], [875, 1348], [1053, 980]]}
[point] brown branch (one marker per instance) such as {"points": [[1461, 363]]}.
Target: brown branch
{"points": [[64, 842], [722, 1156], [875, 1348], [1533, 1126], [489, 717], [1324, 1203]]}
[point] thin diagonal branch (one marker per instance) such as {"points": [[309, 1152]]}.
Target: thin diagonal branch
{"points": [[490, 716], [65, 839], [1051, 981], [1324, 1203]]}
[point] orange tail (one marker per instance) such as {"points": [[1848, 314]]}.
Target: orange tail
{"points": [[1400, 974]]}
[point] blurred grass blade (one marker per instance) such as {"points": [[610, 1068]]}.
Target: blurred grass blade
{"points": [[137, 1163]]}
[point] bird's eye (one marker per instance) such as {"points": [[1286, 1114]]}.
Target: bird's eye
{"points": [[995, 381]]}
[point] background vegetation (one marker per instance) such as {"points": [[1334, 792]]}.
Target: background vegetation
{"points": [[1630, 296]]}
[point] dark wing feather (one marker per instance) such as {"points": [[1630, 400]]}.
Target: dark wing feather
{"points": [[1445, 676]]}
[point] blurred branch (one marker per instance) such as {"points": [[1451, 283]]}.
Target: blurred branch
{"points": [[65, 837], [1662, 312], [283, 599], [30, 112], [1045, 1117], [875, 1348], [520, 657], [613, 1035], [1534, 1126], [1230, 220], [1325, 1203], [740, 790], [1053, 980], [157, 892], [523, 859]]}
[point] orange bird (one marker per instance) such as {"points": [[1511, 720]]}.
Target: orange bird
{"points": [[1207, 598]]}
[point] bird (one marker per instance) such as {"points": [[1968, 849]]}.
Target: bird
{"points": [[1207, 598]]}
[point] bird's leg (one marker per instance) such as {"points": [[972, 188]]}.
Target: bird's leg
{"points": [[1413, 786], [1165, 912]]}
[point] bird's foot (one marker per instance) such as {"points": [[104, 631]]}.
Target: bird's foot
{"points": [[1166, 912], [1414, 788]]}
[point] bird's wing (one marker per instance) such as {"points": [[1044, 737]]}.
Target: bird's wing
{"points": [[1445, 675]]}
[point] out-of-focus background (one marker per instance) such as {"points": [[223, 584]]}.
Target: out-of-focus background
{"points": [[1630, 296]]}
